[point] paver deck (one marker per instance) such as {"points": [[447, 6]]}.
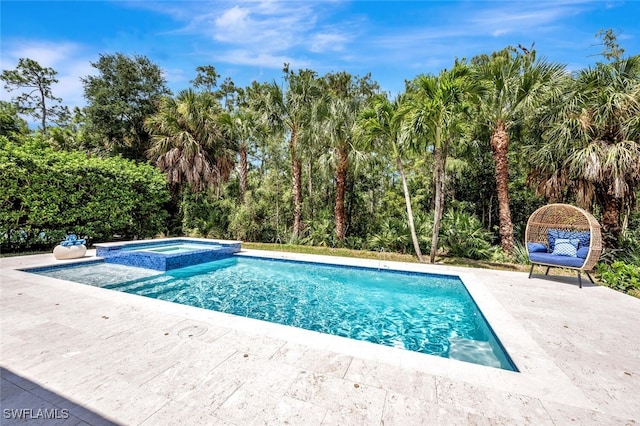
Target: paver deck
{"points": [[94, 356]]}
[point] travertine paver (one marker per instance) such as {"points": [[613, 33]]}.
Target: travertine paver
{"points": [[347, 402], [113, 357], [393, 378], [318, 360]]}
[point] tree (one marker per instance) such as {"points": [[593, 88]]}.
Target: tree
{"points": [[381, 123], [125, 92], [590, 145], [11, 124], [241, 125], [30, 75], [514, 84], [611, 49], [290, 111], [187, 142], [433, 115], [347, 96], [230, 94], [207, 78]]}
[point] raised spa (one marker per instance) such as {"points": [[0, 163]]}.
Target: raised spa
{"points": [[166, 254]]}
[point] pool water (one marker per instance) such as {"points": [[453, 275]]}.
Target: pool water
{"points": [[179, 248], [431, 314]]}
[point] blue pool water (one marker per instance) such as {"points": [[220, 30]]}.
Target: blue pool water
{"points": [[432, 314], [178, 248]]}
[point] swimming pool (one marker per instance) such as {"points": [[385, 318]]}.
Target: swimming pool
{"points": [[431, 314]]}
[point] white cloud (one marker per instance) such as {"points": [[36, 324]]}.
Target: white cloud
{"points": [[264, 59], [233, 19], [67, 59], [521, 16], [47, 54], [323, 42], [263, 27]]}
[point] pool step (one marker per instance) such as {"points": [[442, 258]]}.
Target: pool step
{"points": [[152, 285], [472, 351]]}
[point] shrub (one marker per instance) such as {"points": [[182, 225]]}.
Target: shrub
{"points": [[462, 235], [620, 276], [46, 193], [520, 254], [204, 215], [394, 235], [320, 232]]}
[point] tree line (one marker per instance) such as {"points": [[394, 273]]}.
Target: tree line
{"points": [[453, 164]]}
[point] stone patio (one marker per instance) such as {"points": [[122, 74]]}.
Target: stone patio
{"points": [[94, 356]]}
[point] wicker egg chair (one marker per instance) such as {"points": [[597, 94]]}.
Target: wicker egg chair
{"points": [[570, 226]]}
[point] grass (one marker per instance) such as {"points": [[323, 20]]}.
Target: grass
{"points": [[376, 255]]}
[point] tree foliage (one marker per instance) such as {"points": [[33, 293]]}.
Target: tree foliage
{"points": [[434, 114], [11, 125], [187, 142], [590, 143], [47, 193], [120, 97], [37, 99]]}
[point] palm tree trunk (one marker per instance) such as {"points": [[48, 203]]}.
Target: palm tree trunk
{"points": [[296, 171], [341, 184], [243, 171], [500, 148], [407, 199], [439, 201], [611, 219], [310, 187]]}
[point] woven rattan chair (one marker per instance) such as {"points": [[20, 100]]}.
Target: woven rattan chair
{"points": [[563, 221]]}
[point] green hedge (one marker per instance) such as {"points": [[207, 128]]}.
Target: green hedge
{"points": [[45, 194]]}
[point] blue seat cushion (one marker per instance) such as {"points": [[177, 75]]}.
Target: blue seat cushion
{"points": [[583, 252], [554, 234], [536, 248], [552, 259]]}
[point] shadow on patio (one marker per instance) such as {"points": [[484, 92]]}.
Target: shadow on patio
{"points": [[24, 401]]}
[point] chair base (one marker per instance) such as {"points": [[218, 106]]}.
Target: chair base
{"points": [[550, 266]]}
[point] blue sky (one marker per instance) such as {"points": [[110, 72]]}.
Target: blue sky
{"points": [[250, 40]]}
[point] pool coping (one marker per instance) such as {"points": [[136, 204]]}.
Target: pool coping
{"points": [[541, 377]]}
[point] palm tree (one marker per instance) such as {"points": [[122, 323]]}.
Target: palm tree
{"points": [[290, 111], [240, 124], [340, 129], [381, 123], [346, 97], [433, 115], [187, 142], [515, 84], [591, 141]]}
